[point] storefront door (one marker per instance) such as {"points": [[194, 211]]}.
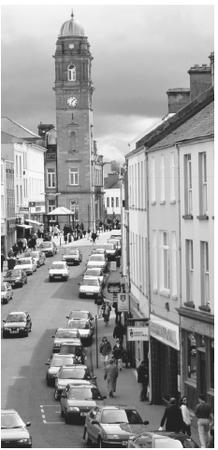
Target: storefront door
{"points": [[202, 373]]}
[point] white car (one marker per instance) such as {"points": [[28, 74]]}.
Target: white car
{"points": [[6, 292], [97, 260], [26, 264], [111, 250], [95, 272], [58, 270], [90, 287], [72, 256]]}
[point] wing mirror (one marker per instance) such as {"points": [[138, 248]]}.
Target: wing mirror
{"points": [[67, 317], [28, 424]]}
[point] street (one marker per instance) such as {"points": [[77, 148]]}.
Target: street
{"points": [[23, 359]]}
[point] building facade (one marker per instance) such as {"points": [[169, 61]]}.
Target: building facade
{"points": [[74, 124]]}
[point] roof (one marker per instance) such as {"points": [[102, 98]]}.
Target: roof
{"points": [[14, 129], [201, 125], [72, 28]]}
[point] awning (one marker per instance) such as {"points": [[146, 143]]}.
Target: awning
{"points": [[35, 222], [23, 225], [60, 211]]}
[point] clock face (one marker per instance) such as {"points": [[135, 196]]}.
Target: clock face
{"points": [[72, 102]]}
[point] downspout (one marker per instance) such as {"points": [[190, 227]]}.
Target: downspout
{"points": [[180, 274], [148, 271]]}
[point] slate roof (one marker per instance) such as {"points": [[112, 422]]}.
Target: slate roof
{"points": [[14, 129], [198, 126]]}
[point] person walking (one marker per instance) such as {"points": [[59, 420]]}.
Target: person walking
{"points": [[173, 417], [105, 349], [186, 416], [2, 261], [119, 331], [203, 412], [99, 303], [143, 378], [117, 353], [111, 374], [106, 310], [93, 236]]}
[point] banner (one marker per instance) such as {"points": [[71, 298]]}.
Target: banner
{"points": [[137, 333], [123, 302]]}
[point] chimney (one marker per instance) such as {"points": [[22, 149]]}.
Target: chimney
{"points": [[212, 67], [177, 99], [200, 79]]}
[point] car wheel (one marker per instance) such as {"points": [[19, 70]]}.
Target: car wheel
{"points": [[26, 333], [5, 301], [50, 278], [4, 334], [56, 395], [21, 284]]}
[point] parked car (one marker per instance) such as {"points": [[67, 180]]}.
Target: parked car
{"points": [[38, 257], [66, 374], [6, 292], [117, 243], [95, 272], [17, 323], [77, 400], [151, 439], [72, 256], [112, 426], [48, 247], [14, 431], [63, 335], [84, 322], [26, 264], [16, 277], [111, 250], [74, 348], [99, 251], [58, 270], [54, 364], [97, 260], [90, 287]]}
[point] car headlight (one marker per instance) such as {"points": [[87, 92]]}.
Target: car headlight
{"points": [[74, 408], [112, 436], [25, 440], [60, 386]]}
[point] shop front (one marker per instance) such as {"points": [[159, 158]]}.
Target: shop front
{"points": [[11, 234], [197, 355], [164, 351]]}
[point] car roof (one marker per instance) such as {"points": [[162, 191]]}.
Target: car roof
{"points": [[17, 312], [67, 329], [74, 342], [58, 262], [9, 411], [79, 310], [75, 366]]}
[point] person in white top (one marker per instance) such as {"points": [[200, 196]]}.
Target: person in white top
{"points": [[186, 416]]}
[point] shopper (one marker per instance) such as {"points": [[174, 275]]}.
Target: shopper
{"points": [[105, 349], [186, 416], [203, 412], [143, 378], [118, 354], [119, 331], [2, 261], [173, 417], [111, 374]]}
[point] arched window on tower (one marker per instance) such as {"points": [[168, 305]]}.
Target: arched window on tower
{"points": [[71, 72]]}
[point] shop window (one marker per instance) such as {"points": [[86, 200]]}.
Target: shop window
{"points": [[192, 356], [205, 297], [74, 176], [188, 183], [203, 183], [51, 205], [212, 364], [108, 202]]}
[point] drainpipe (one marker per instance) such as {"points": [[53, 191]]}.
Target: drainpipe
{"points": [[148, 271], [180, 275]]}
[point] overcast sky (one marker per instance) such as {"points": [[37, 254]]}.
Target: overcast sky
{"points": [[139, 53]]}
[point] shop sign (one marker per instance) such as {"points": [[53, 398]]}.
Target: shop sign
{"points": [[123, 302], [137, 333], [113, 265], [24, 209], [114, 288], [166, 332]]}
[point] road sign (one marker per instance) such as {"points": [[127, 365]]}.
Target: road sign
{"points": [[137, 333], [123, 302]]}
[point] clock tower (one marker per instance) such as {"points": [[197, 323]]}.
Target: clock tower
{"points": [[74, 124]]}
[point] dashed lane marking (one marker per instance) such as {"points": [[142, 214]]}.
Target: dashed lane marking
{"points": [[50, 412]]}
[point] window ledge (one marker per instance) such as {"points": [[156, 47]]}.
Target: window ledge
{"points": [[155, 291], [191, 382], [188, 217], [205, 308], [172, 202], [174, 297], [165, 293], [203, 217], [189, 304], [162, 202], [153, 202]]}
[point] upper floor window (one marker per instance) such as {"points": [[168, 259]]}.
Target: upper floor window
{"points": [[74, 176], [203, 183], [162, 179], [172, 177], [117, 202], [188, 183], [51, 205], [108, 202], [51, 178], [112, 202], [71, 72], [204, 273], [153, 180], [189, 270], [165, 261]]}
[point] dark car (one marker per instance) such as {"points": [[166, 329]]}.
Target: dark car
{"points": [[72, 256], [147, 438], [66, 375], [48, 247], [77, 400], [74, 348], [17, 323], [62, 335], [14, 431], [55, 363], [84, 322], [16, 277], [112, 425]]}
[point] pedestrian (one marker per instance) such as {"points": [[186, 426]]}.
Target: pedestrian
{"points": [[99, 303], [2, 261], [15, 249], [93, 236], [106, 310], [20, 246], [111, 374], [117, 313], [105, 349], [10, 253], [173, 417], [186, 416], [119, 331], [203, 412], [24, 240], [143, 378], [65, 238], [117, 353]]}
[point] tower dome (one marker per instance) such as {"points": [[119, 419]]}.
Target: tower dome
{"points": [[72, 28]]}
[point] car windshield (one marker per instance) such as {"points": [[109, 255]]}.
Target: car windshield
{"points": [[11, 420], [13, 273], [109, 246], [121, 416], [93, 272], [16, 318], [35, 254], [72, 252], [90, 282], [77, 324], [83, 393], [24, 261], [74, 349], [96, 258], [57, 266], [45, 244], [78, 315], [66, 334], [64, 360], [73, 372]]}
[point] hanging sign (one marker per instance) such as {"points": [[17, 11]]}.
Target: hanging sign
{"points": [[137, 333], [123, 302]]}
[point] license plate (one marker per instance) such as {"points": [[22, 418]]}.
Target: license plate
{"points": [[13, 331], [89, 293], [124, 443], [83, 414]]}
